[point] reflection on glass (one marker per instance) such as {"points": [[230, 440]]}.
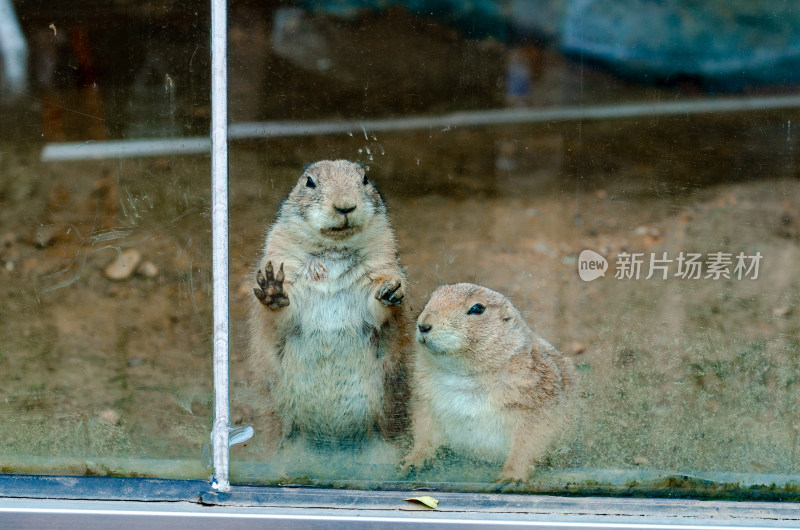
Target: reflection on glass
{"points": [[106, 285], [655, 251], [105, 265], [652, 251]]}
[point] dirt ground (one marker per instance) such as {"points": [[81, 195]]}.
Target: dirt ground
{"points": [[675, 374], [108, 372]]}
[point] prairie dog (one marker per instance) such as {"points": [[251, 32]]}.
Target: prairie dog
{"points": [[483, 382], [328, 330]]}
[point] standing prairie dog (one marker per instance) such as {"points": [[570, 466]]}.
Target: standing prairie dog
{"points": [[328, 330], [484, 383]]}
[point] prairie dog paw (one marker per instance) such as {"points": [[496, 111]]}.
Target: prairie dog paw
{"points": [[270, 287], [391, 291]]}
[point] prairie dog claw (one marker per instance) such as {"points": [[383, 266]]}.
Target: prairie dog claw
{"points": [[270, 287]]}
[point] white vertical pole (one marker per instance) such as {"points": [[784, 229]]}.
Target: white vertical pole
{"points": [[219, 215]]}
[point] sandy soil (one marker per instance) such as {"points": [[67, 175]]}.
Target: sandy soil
{"points": [[103, 375], [674, 374]]}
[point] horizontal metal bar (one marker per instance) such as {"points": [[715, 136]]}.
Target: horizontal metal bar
{"points": [[511, 116], [365, 476], [479, 118], [187, 492], [125, 148], [101, 488], [21, 513], [103, 502]]}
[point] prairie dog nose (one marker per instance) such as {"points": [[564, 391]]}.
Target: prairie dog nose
{"points": [[424, 328], [346, 210]]}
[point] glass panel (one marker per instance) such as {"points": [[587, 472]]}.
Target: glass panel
{"points": [[105, 260], [685, 379]]}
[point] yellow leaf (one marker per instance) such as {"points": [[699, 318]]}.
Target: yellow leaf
{"points": [[428, 501]]}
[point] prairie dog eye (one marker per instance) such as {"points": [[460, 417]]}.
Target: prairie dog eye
{"points": [[310, 183], [477, 309]]}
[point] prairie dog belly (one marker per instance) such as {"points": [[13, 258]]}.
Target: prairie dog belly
{"points": [[467, 420], [330, 379]]}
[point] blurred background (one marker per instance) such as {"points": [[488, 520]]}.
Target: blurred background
{"points": [[546, 128]]}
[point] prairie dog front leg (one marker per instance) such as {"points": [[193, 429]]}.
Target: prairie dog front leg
{"points": [[423, 446]]}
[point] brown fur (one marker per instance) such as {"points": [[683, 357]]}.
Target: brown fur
{"points": [[329, 340], [485, 383]]}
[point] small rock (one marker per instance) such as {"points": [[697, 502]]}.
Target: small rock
{"points": [[641, 460], [109, 416], [46, 235], [640, 231], [123, 265], [576, 348], [148, 269], [136, 361], [782, 312], [650, 240]]}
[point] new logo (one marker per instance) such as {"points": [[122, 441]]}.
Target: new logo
{"points": [[591, 265]]}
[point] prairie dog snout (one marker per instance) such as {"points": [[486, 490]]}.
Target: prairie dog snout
{"points": [[337, 199]]}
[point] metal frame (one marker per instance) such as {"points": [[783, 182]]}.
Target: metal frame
{"points": [[93, 502], [219, 196], [482, 118]]}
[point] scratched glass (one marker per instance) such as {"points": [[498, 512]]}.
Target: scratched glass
{"points": [[634, 195], [105, 258], [641, 214]]}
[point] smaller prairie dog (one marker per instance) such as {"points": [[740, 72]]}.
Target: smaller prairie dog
{"points": [[483, 383]]}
